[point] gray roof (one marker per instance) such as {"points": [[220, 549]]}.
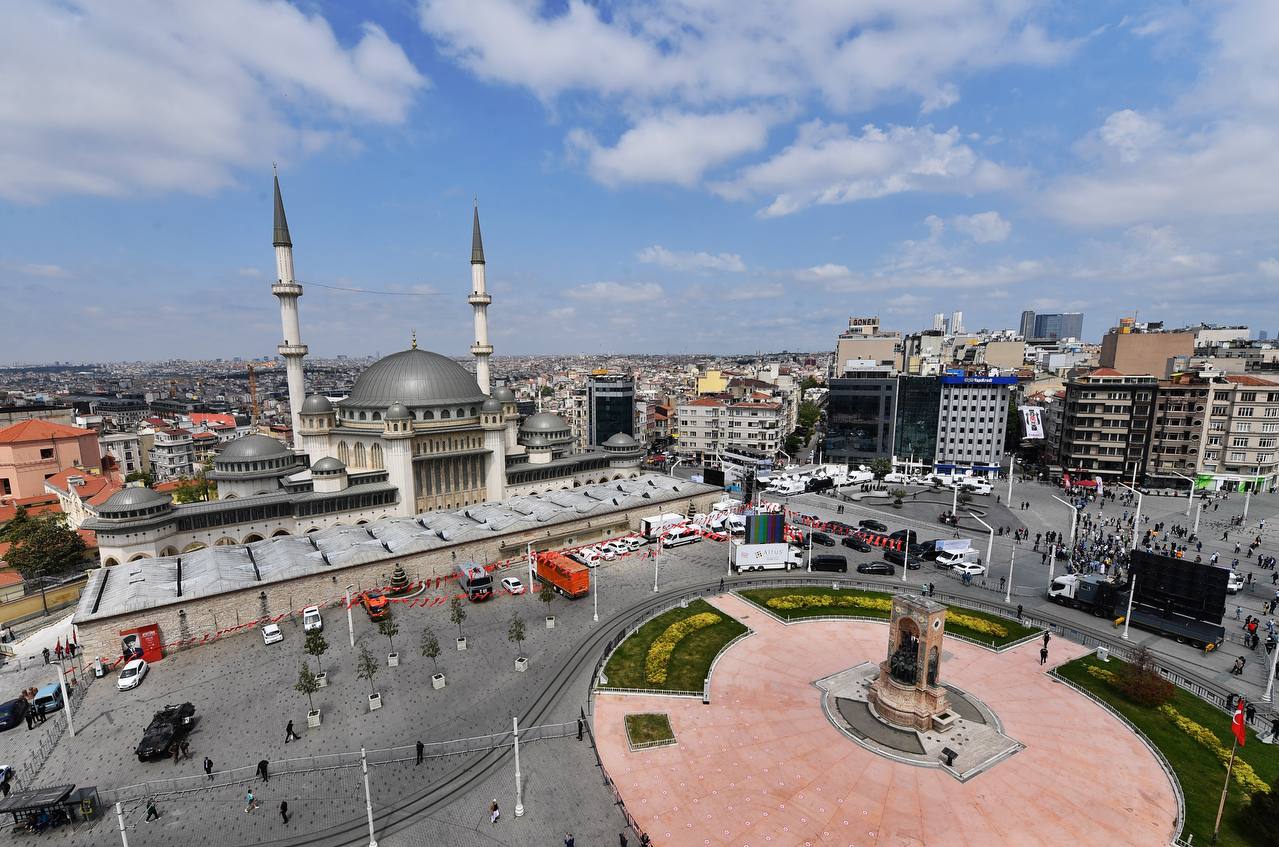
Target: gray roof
{"points": [[537, 440], [316, 404], [328, 464], [544, 422], [149, 583], [620, 440], [414, 378], [133, 498], [252, 447], [492, 405], [281, 223], [504, 394], [477, 244], [398, 412]]}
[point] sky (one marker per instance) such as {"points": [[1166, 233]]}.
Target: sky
{"points": [[664, 176]]}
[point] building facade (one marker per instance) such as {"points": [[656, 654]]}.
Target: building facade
{"points": [[33, 450], [700, 424], [610, 402], [860, 415], [172, 454], [972, 422], [1243, 430], [1134, 352], [1106, 424]]}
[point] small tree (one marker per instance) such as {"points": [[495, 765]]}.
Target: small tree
{"points": [[366, 667], [457, 613], [387, 627], [881, 467], [306, 684], [430, 645], [546, 594], [316, 646], [515, 634], [897, 494], [139, 476], [1142, 683]]}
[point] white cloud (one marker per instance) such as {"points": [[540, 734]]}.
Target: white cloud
{"points": [[984, 227], [682, 261], [1130, 133], [672, 147], [249, 272], [756, 291], [617, 292], [827, 164], [122, 98], [46, 271]]}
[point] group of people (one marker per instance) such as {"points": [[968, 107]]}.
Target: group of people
{"points": [[37, 713]]}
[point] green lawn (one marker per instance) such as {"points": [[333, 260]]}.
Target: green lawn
{"points": [[688, 665], [1200, 774], [878, 608], [647, 727]]}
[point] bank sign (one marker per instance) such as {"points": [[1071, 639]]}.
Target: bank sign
{"points": [[979, 380]]}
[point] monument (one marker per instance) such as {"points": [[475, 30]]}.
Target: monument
{"points": [[907, 692]]}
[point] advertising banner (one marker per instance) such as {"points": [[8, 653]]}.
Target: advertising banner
{"points": [[1032, 420]]}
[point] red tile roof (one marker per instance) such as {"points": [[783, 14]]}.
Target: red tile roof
{"points": [[704, 402], [1249, 379], [8, 577], [94, 485], [210, 418], [1104, 372], [39, 505], [39, 430]]}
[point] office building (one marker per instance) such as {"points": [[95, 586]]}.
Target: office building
{"points": [[610, 403], [1053, 327], [939, 322], [915, 423], [972, 423], [860, 414], [1177, 432], [1027, 329], [956, 323], [1243, 431], [864, 342]]}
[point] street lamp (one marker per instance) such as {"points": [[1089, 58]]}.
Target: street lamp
{"points": [[595, 592], [1012, 555], [671, 470], [1190, 498], [350, 624], [990, 544], [1012, 463], [1074, 520], [1136, 518], [1247, 495]]}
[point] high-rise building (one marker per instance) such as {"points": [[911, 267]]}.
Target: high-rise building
{"points": [[1027, 329], [1262, 335], [1055, 326], [860, 411], [971, 423], [915, 436], [956, 323], [610, 404], [939, 322]]}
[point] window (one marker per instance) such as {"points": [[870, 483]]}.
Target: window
{"points": [[46, 453], [1266, 442], [1243, 427], [1270, 427], [1211, 455], [1248, 397], [1238, 457], [5, 485], [1218, 410], [1214, 441], [1239, 442]]}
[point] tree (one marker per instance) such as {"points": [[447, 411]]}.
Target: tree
{"points": [[1142, 683], [809, 382], [457, 613], [793, 444], [881, 467], [306, 684], [195, 490], [366, 667], [140, 476], [42, 546], [430, 645], [515, 633], [316, 645], [546, 594], [547, 391], [1258, 817], [897, 494], [808, 415], [387, 627]]}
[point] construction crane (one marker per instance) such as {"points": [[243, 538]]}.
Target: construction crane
{"points": [[173, 389], [253, 392]]}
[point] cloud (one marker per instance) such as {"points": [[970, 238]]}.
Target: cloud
{"points": [[984, 227], [681, 261], [119, 99], [672, 147], [827, 164], [252, 273], [46, 271], [617, 292], [1269, 267]]}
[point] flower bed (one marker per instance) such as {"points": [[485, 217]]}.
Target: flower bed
{"points": [[659, 652], [689, 658]]}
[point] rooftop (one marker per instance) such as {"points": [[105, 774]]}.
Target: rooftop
{"points": [[40, 430]]}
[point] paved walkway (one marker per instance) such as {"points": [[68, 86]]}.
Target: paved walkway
{"points": [[762, 764]]}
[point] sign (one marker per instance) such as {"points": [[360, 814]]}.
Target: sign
{"points": [[954, 545], [1032, 420], [978, 380], [765, 529]]}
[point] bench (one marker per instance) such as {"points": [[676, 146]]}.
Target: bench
{"points": [[949, 755]]}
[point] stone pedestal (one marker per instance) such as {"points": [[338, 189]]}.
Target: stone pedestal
{"points": [[907, 693], [906, 705]]}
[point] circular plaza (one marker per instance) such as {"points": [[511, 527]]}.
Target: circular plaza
{"points": [[764, 762]]}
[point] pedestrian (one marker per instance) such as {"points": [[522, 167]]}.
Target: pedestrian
{"points": [[208, 767], [31, 719], [41, 712], [250, 802], [45, 651], [153, 814], [721, 584], [186, 749], [284, 811], [621, 839], [1047, 638], [494, 812], [263, 770], [421, 748], [568, 839], [4, 788], [57, 651], [176, 749], [1250, 712], [1274, 730], [290, 735], [1238, 612], [1018, 612]]}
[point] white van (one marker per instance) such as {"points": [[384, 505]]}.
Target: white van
{"points": [[311, 619], [735, 524], [975, 486], [951, 558], [680, 535], [788, 487]]}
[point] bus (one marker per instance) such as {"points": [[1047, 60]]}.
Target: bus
{"points": [[474, 581]]}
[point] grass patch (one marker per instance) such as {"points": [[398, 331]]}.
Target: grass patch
{"points": [[877, 605], [1200, 774], [690, 662], [648, 727]]}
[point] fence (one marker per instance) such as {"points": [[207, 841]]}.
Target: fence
{"points": [[609, 784], [28, 770]]}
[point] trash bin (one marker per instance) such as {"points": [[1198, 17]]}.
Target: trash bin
{"points": [[98, 670], [1103, 653]]}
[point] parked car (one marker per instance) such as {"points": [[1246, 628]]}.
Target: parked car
{"points": [[680, 535], [952, 558], [857, 543], [1234, 582], [873, 525], [882, 568], [909, 558], [512, 585], [376, 604], [132, 674], [971, 568], [49, 696], [829, 563], [271, 634], [611, 550], [896, 478], [311, 619], [168, 727], [588, 556], [632, 542], [821, 539], [13, 712]]}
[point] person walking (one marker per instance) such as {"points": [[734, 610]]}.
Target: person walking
{"points": [[1043, 655], [290, 735], [421, 748], [621, 839], [1250, 712], [41, 712], [568, 839], [1274, 730], [153, 814], [208, 767], [263, 770], [45, 651], [284, 812], [495, 812], [185, 746], [250, 802], [1047, 638], [1019, 613]]}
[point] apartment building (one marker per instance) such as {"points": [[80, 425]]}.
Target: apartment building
{"points": [[700, 425], [754, 426], [1177, 431], [172, 454], [1106, 423], [127, 451], [972, 422], [1243, 429], [33, 450]]}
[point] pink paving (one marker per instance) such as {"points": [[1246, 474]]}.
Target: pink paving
{"points": [[762, 764]]}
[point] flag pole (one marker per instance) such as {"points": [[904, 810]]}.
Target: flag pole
{"points": [[1221, 807]]}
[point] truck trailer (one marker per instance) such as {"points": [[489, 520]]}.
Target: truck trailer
{"points": [[765, 557], [567, 577], [655, 525], [1106, 598]]}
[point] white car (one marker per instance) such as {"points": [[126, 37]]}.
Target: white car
{"points": [[311, 619], [132, 674], [271, 634], [1234, 582], [588, 556], [632, 542], [896, 478], [512, 585], [611, 550], [971, 568], [680, 535]]}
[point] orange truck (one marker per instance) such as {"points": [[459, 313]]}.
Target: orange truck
{"points": [[570, 578]]}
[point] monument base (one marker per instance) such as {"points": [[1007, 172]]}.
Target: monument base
{"points": [[907, 705]]}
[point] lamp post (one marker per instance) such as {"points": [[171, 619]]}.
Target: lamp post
{"points": [[656, 561], [1190, 497], [1198, 514], [519, 783], [1247, 495], [368, 797], [1074, 522], [595, 592], [1012, 555], [1136, 518], [1270, 678], [671, 470], [1012, 463], [350, 624], [990, 543], [1132, 592], [66, 701]]}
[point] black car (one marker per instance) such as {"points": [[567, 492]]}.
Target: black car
{"points": [[822, 539], [873, 525], [898, 557], [882, 568], [168, 727], [842, 528], [927, 550], [856, 543], [819, 484], [829, 563], [13, 712]]}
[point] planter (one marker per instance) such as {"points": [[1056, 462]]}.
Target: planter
{"points": [[322, 680], [393, 660], [461, 644], [521, 664], [550, 621], [375, 702], [437, 681], [313, 719]]}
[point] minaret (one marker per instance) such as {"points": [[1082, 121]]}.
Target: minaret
{"points": [[479, 300], [288, 290]]}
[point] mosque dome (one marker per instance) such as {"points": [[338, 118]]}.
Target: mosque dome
{"points": [[414, 378]]}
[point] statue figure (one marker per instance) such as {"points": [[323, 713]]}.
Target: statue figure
{"points": [[903, 663]]}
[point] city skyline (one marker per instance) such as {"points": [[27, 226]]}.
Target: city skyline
{"points": [[999, 161]]}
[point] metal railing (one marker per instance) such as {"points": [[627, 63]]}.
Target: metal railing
{"points": [[611, 786]]}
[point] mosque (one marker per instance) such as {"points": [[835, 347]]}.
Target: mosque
{"points": [[417, 433]]}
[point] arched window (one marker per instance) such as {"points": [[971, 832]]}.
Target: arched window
{"points": [[364, 416], [375, 456], [359, 456], [461, 413], [428, 415], [377, 416], [344, 454], [474, 411], [444, 413]]}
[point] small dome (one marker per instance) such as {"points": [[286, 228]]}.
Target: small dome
{"points": [[544, 422], [537, 441], [133, 498], [621, 441], [328, 465], [503, 394], [316, 404], [252, 447], [398, 412], [492, 405]]}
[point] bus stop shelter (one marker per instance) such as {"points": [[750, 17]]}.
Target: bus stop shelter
{"points": [[42, 809]]}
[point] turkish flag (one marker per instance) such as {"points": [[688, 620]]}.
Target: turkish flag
{"points": [[1238, 726]]}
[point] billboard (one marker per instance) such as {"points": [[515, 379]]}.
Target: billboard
{"points": [[765, 529], [1032, 421]]}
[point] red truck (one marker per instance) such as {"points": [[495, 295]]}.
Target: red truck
{"points": [[570, 578]]}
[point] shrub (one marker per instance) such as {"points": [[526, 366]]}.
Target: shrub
{"points": [[1102, 674], [1259, 816], [976, 624], [1243, 773], [793, 602], [1141, 682], [659, 652]]}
